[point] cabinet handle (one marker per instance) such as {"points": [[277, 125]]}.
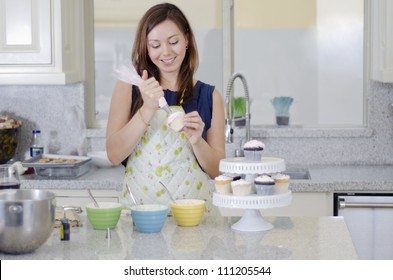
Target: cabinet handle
{"points": [[76, 209], [343, 204]]}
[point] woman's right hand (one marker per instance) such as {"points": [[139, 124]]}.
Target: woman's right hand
{"points": [[151, 91]]}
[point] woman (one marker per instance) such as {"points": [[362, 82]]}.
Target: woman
{"points": [[165, 56]]}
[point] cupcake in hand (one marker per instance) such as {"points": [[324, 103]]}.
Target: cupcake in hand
{"points": [[264, 185], [175, 120], [253, 150]]}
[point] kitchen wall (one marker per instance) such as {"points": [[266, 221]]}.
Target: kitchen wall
{"points": [[48, 108], [56, 108]]}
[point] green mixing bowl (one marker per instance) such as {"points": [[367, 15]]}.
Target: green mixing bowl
{"points": [[104, 217]]}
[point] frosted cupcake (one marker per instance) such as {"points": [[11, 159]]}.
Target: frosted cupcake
{"points": [[223, 184], [282, 182], [175, 121], [264, 185], [253, 150], [241, 187]]}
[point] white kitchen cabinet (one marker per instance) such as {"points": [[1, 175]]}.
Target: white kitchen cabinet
{"points": [[309, 204], [79, 198], [381, 40], [41, 42]]}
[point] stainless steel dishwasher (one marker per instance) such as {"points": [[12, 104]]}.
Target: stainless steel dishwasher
{"points": [[369, 217]]}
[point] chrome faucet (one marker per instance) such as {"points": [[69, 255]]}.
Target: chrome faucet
{"points": [[229, 108]]}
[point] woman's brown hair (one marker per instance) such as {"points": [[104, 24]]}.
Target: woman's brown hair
{"points": [[141, 60]]}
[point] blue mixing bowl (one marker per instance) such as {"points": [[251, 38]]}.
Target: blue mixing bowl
{"points": [[149, 218]]}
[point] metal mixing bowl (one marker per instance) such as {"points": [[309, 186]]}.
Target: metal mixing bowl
{"points": [[8, 143], [27, 218]]}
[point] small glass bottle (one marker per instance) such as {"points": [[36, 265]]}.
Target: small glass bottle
{"points": [[65, 231], [36, 147]]}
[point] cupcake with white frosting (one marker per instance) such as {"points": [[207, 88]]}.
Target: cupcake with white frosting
{"points": [[223, 184], [241, 187], [264, 185], [253, 150], [282, 182], [175, 120]]}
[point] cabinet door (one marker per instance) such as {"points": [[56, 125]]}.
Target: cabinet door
{"points": [[25, 32], [381, 13]]}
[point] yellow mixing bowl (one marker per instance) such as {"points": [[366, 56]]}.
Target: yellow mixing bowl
{"points": [[188, 212]]}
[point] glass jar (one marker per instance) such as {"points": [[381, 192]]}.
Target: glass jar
{"points": [[9, 178]]}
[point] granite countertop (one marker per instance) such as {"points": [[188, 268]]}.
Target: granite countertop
{"points": [[96, 178], [362, 178], [303, 238], [323, 179]]}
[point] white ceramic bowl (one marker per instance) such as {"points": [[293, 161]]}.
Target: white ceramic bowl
{"points": [[100, 159]]}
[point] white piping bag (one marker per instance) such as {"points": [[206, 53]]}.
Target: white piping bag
{"points": [[129, 75]]}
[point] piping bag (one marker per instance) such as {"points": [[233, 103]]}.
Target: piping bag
{"points": [[129, 75]]}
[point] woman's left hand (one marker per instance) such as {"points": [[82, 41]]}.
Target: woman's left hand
{"points": [[193, 127]]}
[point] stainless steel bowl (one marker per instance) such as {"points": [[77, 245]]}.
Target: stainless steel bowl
{"points": [[27, 218]]}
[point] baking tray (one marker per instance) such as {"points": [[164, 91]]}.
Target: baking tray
{"points": [[58, 170]]}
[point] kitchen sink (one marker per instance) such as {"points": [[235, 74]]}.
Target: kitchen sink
{"points": [[298, 174]]}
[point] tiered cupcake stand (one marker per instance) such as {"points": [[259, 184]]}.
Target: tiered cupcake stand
{"points": [[252, 219]]}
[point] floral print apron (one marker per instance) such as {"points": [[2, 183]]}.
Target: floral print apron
{"points": [[166, 156]]}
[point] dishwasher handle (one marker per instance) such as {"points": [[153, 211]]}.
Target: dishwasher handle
{"points": [[342, 204]]}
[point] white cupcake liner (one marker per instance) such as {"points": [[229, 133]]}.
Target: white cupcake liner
{"points": [[223, 188], [253, 155], [265, 189]]}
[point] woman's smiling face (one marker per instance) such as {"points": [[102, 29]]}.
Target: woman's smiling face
{"points": [[167, 46]]}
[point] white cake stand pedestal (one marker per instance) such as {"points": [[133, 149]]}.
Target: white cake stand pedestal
{"points": [[252, 221]]}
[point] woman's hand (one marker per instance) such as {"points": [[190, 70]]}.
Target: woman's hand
{"points": [[193, 127], [151, 91]]}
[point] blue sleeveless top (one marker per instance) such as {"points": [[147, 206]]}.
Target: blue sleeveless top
{"points": [[202, 102]]}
